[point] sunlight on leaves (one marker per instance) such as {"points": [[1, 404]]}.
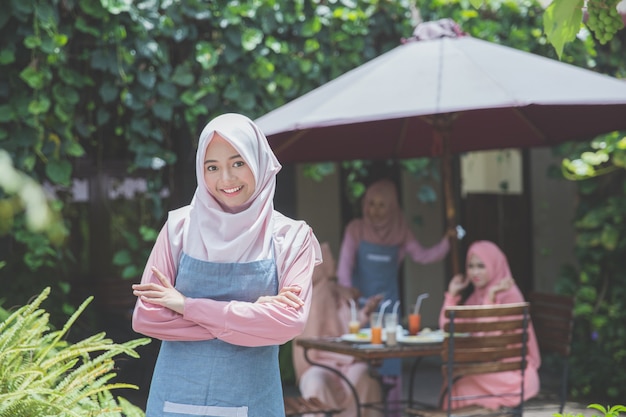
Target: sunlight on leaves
{"points": [[561, 22]]}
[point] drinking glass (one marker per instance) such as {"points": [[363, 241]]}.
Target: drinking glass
{"points": [[391, 326], [376, 326]]}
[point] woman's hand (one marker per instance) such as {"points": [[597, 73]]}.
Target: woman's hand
{"points": [[457, 284], [164, 295], [287, 296], [503, 285], [372, 303]]}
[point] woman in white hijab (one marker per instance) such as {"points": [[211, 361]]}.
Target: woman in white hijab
{"points": [[227, 282]]}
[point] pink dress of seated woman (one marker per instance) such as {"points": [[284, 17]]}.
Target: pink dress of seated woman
{"points": [[487, 269], [329, 316]]}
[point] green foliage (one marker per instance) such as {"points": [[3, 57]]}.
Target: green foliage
{"points": [[23, 200], [599, 282], [43, 374], [88, 84], [132, 257], [607, 154], [613, 411], [563, 20]]}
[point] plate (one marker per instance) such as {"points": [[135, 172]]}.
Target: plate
{"points": [[430, 337], [363, 336]]}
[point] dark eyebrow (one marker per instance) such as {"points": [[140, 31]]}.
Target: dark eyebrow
{"points": [[208, 161]]}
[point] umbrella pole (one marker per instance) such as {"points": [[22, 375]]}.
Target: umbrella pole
{"points": [[442, 136]]}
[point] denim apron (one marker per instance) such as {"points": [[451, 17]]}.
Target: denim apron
{"points": [[376, 272], [213, 378]]}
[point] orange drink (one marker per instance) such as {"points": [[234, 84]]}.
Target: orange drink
{"points": [[414, 323], [354, 327], [376, 325], [377, 335]]}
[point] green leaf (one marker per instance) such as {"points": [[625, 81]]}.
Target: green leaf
{"points": [[595, 158], [148, 234], [65, 94], [183, 76], [102, 116], [163, 110], [82, 26], [246, 101], [619, 158], [131, 271], [561, 22], [147, 78], [167, 90], [250, 38], [122, 258], [34, 78], [311, 27], [39, 106], [59, 171], [6, 113], [62, 113], [73, 148], [610, 237], [117, 6], [32, 41], [7, 55], [206, 55], [108, 91]]}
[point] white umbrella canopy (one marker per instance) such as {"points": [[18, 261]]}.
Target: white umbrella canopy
{"points": [[442, 96], [500, 98]]}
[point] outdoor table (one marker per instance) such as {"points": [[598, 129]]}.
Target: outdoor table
{"points": [[373, 356]]}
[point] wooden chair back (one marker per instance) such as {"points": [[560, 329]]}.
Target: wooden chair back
{"points": [[485, 339], [552, 316]]}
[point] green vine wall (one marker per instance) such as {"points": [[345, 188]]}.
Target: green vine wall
{"points": [[599, 280]]}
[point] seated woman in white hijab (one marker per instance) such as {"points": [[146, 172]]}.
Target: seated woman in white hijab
{"points": [[329, 317]]}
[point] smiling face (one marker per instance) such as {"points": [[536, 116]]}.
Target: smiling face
{"points": [[477, 272], [226, 174], [377, 209]]}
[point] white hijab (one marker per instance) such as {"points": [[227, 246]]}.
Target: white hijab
{"points": [[210, 233]]}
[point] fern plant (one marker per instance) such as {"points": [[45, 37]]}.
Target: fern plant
{"points": [[41, 374]]}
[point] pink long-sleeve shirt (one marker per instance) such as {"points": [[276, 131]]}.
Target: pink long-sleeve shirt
{"points": [[411, 247], [236, 322]]}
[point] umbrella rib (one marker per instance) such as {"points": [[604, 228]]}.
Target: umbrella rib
{"points": [[530, 124], [290, 141]]}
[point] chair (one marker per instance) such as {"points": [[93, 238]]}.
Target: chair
{"points": [[481, 340], [552, 316]]}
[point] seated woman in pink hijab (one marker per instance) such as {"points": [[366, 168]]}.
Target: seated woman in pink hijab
{"points": [[329, 317], [488, 281]]}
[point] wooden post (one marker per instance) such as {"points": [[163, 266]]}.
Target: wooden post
{"points": [[442, 136]]}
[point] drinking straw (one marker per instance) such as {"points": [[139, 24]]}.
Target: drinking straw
{"points": [[353, 309], [418, 303], [395, 307], [381, 312]]}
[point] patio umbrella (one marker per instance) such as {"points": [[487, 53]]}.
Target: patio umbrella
{"points": [[441, 96]]}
